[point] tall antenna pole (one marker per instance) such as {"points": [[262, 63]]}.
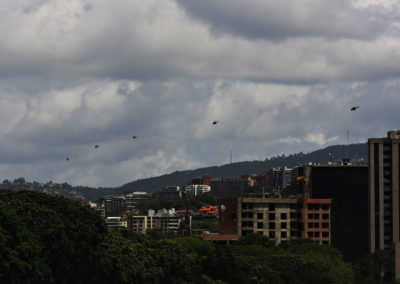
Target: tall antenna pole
{"points": [[231, 156], [347, 150]]}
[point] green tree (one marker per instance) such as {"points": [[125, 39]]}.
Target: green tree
{"points": [[20, 251], [69, 233], [377, 267]]}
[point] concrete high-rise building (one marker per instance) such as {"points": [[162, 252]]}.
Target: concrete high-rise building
{"points": [[384, 199], [287, 178], [275, 178]]}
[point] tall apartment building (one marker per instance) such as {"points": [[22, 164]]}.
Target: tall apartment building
{"points": [[287, 178], [275, 178], [131, 199], [384, 199], [114, 203]]}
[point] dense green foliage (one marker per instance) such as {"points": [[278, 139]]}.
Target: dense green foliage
{"points": [[60, 236], [47, 239]]}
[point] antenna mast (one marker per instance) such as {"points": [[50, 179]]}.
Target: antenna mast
{"points": [[347, 148]]}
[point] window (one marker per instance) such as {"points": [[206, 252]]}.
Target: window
{"points": [[310, 216], [316, 225], [260, 225], [271, 216], [325, 216], [316, 234], [325, 234], [247, 224], [283, 234], [260, 216], [311, 225], [283, 216], [272, 235], [325, 225], [271, 207], [247, 215], [283, 225], [271, 225]]}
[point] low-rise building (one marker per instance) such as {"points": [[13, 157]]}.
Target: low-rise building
{"points": [[166, 220], [197, 189], [115, 223]]}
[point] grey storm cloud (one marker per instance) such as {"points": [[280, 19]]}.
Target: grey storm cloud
{"points": [[279, 77], [286, 19], [153, 40]]}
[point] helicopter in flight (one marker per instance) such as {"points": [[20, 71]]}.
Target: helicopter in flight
{"points": [[215, 122], [353, 108], [96, 146]]}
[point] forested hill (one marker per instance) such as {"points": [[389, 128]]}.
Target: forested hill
{"points": [[182, 178]]}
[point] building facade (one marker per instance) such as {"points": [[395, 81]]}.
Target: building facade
{"points": [[384, 199], [227, 186], [166, 220], [197, 189], [347, 185], [280, 219]]}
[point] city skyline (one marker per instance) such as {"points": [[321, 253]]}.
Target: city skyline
{"points": [[144, 80]]}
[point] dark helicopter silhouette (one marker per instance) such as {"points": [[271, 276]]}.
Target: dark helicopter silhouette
{"points": [[67, 159], [134, 137], [96, 146], [353, 108], [215, 122]]}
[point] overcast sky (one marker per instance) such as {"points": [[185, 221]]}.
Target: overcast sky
{"points": [[279, 76]]}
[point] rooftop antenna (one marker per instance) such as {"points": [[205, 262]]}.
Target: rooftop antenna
{"points": [[347, 148]]}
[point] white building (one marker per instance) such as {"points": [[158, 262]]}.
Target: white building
{"points": [[164, 219], [197, 189], [115, 223]]}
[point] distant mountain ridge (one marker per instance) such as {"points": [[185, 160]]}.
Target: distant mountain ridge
{"points": [[182, 178]]}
